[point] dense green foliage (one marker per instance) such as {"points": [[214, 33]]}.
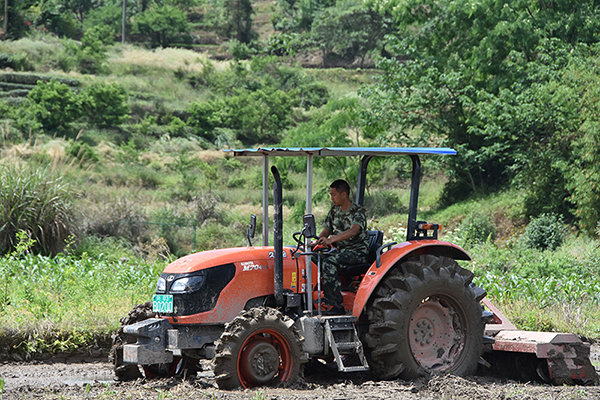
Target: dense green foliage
{"points": [[165, 25], [238, 14], [105, 105], [350, 30], [510, 87], [52, 106], [256, 102]]}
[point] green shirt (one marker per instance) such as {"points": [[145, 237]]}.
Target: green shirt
{"points": [[338, 221]]}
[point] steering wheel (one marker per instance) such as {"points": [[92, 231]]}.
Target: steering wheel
{"points": [[319, 248]]}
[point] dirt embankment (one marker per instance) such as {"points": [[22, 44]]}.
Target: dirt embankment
{"points": [[92, 378]]}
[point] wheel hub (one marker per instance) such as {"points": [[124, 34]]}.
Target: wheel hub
{"points": [[260, 362], [435, 335]]}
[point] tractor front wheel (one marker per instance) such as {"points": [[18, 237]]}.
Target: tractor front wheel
{"points": [[425, 317], [128, 372], [181, 366], [260, 347]]}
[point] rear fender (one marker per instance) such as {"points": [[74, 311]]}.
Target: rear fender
{"points": [[395, 255]]}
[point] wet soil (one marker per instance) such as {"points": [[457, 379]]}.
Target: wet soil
{"points": [[92, 378]]}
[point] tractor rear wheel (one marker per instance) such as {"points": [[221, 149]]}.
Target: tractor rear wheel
{"points": [[425, 317], [260, 347]]}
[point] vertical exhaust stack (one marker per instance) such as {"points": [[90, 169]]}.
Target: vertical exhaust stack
{"points": [[278, 236]]}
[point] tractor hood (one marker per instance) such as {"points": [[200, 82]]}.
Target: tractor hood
{"points": [[212, 258]]}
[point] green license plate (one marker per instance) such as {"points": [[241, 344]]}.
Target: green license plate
{"points": [[162, 303]]}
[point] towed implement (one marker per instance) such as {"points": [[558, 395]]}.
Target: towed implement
{"points": [[411, 310]]}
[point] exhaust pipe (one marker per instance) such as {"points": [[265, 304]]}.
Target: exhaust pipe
{"points": [[278, 236]]}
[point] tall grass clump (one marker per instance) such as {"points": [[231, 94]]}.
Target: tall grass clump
{"points": [[38, 202]]}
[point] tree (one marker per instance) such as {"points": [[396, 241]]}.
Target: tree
{"points": [[89, 56], [484, 77], [56, 17], [81, 7], [15, 22], [350, 30], [164, 24], [108, 15], [5, 17], [239, 20], [583, 172], [298, 15]]}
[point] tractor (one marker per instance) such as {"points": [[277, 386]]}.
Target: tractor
{"points": [[411, 311]]}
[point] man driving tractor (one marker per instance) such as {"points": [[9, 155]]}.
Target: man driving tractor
{"points": [[345, 227]]}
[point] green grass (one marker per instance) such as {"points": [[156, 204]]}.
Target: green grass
{"points": [[43, 55], [57, 304], [342, 82], [505, 208], [543, 290]]}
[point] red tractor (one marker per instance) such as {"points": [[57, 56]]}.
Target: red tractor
{"points": [[412, 310]]}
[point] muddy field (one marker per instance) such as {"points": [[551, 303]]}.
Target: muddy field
{"points": [[91, 378]]}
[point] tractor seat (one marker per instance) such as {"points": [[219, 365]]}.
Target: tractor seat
{"points": [[375, 241]]}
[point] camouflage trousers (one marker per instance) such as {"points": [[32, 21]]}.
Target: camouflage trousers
{"points": [[331, 265]]}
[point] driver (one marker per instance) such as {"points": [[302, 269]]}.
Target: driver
{"points": [[345, 228]]}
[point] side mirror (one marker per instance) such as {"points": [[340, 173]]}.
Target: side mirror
{"points": [[251, 229], [310, 229]]}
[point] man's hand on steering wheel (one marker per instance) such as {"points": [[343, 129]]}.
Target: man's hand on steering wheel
{"points": [[324, 241], [322, 244]]}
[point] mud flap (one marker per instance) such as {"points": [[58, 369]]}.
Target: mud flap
{"points": [[151, 344]]}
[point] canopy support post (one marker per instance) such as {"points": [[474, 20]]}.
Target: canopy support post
{"points": [[308, 210], [265, 218]]}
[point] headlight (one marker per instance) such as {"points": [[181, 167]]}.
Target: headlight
{"points": [[188, 284], [161, 285]]}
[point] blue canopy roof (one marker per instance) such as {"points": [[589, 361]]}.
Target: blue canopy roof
{"points": [[340, 151]]}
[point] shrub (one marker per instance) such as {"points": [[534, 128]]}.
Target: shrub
{"points": [[175, 226], [61, 23], [476, 229], [92, 55], [282, 44], [239, 50], [37, 202], [546, 232], [54, 104], [205, 117], [106, 104]]}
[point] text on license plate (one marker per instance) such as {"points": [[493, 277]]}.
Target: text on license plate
{"points": [[162, 303]]}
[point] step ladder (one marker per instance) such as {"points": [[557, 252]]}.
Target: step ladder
{"points": [[342, 338]]}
